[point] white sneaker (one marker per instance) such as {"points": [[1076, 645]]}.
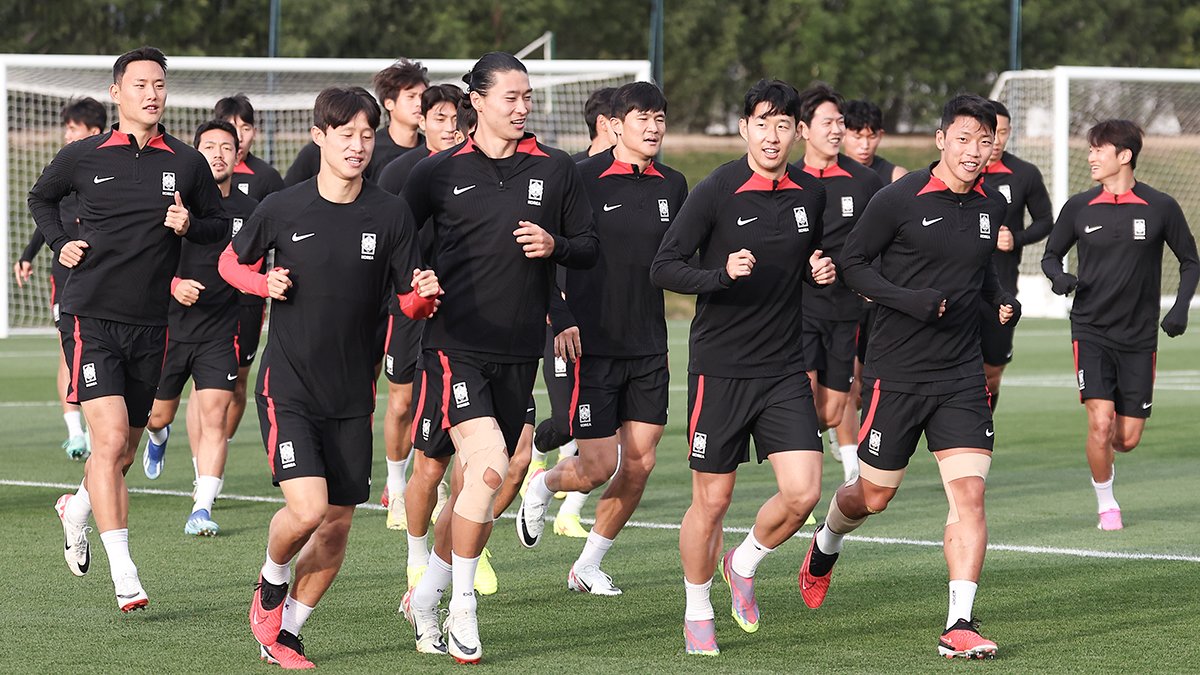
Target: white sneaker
{"points": [[590, 579], [75, 543], [462, 637], [531, 518], [425, 626], [130, 594]]}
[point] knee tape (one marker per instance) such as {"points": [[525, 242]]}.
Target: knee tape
{"points": [[880, 477], [479, 452], [962, 465], [837, 522]]}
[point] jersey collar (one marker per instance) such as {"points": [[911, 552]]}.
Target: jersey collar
{"points": [[997, 167], [528, 145], [242, 167], [936, 184], [1106, 197], [759, 183], [619, 168], [118, 137], [835, 171]]}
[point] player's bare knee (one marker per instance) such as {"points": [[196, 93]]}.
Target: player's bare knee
{"points": [[801, 500], [598, 468]]}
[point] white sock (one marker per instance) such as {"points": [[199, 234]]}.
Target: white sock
{"points": [[195, 470], [206, 492], [849, 455], [573, 503], [463, 595], [699, 607], [538, 492], [429, 590], [1105, 501], [829, 541], [569, 450], [78, 508], [832, 433], [159, 437], [748, 555], [594, 549], [962, 599], [295, 613], [74, 420], [116, 546], [276, 573], [418, 550], [396, 481], [537, 457]]}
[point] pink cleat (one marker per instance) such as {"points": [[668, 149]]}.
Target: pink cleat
{"points": [[701, 637], [1110, 520]]}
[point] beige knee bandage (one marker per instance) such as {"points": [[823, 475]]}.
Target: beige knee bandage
{"points": [[880, 477], [837, 522], [962, 465], [480, 452]]}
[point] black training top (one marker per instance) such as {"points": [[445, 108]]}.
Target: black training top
{"points": [[68, 209], [124, 192], [1120, 240], [255, 178], [749, 327], [308, 161], [1023, 189], [884, 169]]}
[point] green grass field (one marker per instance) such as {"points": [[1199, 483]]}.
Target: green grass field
{"points": [[1057, 595]]}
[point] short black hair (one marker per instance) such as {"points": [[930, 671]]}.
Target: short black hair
{"points": [[1001, 111], [969, 105], [401, 75], [862, 115], [483, 73], [600, 102], [336, 106], [145, 53], [1121, 134], [639, 96], [781, 97], [817, 94], [468, 117], [440, 93], [86, 111], [236, 106], [218, 124]]}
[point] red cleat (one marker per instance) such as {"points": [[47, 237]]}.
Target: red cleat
{"points": [[287, 652], [266, 611], [384, 498], [812, 587], [963, 639]]}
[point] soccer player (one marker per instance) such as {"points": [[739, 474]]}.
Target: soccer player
{"points": [[398, 88], [933, 233], [621, 387], [597, 114], [504, 208], [1119, 227], [864, 133], [201, 341], [745, 241], [832, 313], [341, 245], [1023, 189], [140, 192], [81, 118], [255, 178]]}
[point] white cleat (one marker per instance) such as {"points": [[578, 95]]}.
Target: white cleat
{"points": [[590, 579], [130, 594], [462, 637], [425, 626], [75, 542], [531, 518]]}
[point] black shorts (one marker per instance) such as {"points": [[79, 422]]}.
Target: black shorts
{"points": [[400, 348], [463, 386], [249, 329], [300, 445], [1125, 378], [428, 434], [951, 415], [865, 321], [611, 391], [724, 413], [995, 338], [110, 358], [559, 376], [829, 348], [212, 364], [58, 278]]}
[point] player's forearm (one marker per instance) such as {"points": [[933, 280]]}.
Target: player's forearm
{"points": [[243, 277], [35, 244], [862, 278], [208, 229], [675, 274], [46, 217], [577, 252]]}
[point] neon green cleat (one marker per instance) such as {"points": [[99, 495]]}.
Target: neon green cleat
{"points": [[485, 576], [534, 467], [415, 572], [811, 520], [567, 525]]}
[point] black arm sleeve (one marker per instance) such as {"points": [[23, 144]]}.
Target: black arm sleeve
{"points": [[48, 191], [1179, 238], [36, 240], [672, 268], [1041, 210], [578, 247], [1062, 238], [561, 316], [416, 192]]}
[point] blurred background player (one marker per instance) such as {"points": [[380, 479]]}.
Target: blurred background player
{"points": [[737, 244], [1119, 228], [619, 404], [81, 118], [201, 342], [597, 114], [864, 133]]}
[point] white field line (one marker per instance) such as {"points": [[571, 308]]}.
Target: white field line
{"points": [[891, 541]]}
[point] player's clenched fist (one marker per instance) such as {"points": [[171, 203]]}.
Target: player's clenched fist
{"points": [[534, 241], [187, 292], [71, 253], [425, 283], [1006, 314], [824, 272], [177, 216], [739, 264], [1005, 241], [278, 283]]}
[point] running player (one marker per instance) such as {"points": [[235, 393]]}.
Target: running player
{"points": [[341, 245], [756, 224], [864, 133], [1120, 227], [1021, 184], [933, 232], [832, 313], [622, 385], [201, 342], [81, 118], [398, 87], [140, 192], [504, 208]]}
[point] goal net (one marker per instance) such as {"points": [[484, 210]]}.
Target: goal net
{"points": [[282, 90], [1052, 111]]}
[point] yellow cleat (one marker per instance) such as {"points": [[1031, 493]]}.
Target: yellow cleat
{"points": [[396, 515], [415, 572], [443, 496], [485, 576], [534, 467], [567, 525], [811, 520]]}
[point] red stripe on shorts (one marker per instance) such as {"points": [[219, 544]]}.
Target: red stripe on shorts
{"points": [[419, 409], [866, 425], [273, 431], [53, 291], [1075, 349], [73, 396], [695, 411], [387, 341], [237, 348], [445, 389], [574, 399]]}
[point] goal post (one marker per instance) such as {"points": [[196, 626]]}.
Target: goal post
{"points": [[1052, 111], [282, 91]]}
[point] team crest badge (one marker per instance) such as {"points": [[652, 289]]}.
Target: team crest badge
{"points": [[847, 206], [244, 187], [1005, 190], [699, 444], [585, 415], [1139, 229], [368, 246], [168, 183], [426, 427], [89, 374], [560, 367], [237, 226], [985, 226], [461, 399], [535, 191], [664, 210], [875, 442], [801, 219], [287, 455]]}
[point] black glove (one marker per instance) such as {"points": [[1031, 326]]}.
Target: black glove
{"points": [[1064, 284], [1175, 322]]}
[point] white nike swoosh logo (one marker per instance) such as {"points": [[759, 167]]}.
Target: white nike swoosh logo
{"points": [[925, 222], [989, 433], [98, 180], [231, 378], [1146, 406], [459, 191], [612, 208], [302, 237], [1091, 228], [746, 221]]}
